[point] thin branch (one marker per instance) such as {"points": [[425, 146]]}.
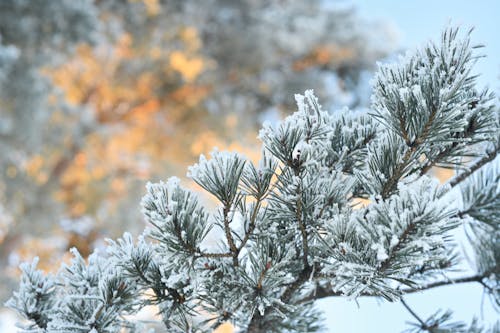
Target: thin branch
{"points": [[328, 204], [251, 225], [245, 239], [474, 167], [229, 237], [257, 321], [423, 325], [413, 146], [398, 173], [401, 240], [485, 286], [467, 279], [438, 158], [347, 168], [263, 275], [214, 255], [178, 233], [304, 275], [303, 233], [255, 325], [298, 215], [324, 292]]}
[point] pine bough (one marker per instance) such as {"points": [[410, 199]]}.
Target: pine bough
{"points": [[341, 204]]}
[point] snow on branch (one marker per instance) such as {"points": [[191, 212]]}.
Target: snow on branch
{"points": [[341, 204]]}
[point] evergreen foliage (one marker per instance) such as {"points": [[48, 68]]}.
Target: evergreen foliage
{"points": [[341, 204]]}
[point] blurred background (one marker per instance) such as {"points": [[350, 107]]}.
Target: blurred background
{"points": [[99, 96]]}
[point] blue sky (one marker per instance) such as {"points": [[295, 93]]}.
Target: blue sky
{"points": [[419, 21], [416, 23]]}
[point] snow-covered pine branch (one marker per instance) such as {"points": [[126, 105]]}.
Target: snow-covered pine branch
{"points": [[341, 204]]}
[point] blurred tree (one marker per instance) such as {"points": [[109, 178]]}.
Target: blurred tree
{"points": [[34, 35], [135, 83]]}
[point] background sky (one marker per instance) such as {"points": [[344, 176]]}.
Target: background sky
{"points": [[420, 21], [417, 22]]}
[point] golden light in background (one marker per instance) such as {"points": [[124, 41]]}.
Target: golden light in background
{"points": [[224, 328], [443, 174]]}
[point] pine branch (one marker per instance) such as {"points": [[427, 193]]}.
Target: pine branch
{"points": [[401, 242], [229, 237], [322, 292], [251, 226], [214, 255], [303, 233], [392, 182], [467, 279], [257, 321], [178, 233], [430, 164], [474, 167], [422, 323], [304, 276], [413, 146]]}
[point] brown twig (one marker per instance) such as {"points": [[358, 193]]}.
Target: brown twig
{"points": [[230, 240], [474, 167], [423, 325], [321, 292]]}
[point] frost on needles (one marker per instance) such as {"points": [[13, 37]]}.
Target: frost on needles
{"points": [[341, 204]]}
